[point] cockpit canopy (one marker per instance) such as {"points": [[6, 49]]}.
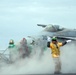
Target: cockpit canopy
{"points": [[53, 28]]}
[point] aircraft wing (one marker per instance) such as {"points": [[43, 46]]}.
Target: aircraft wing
{"points": [[67, 38]]}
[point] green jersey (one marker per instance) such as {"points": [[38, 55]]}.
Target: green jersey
{"points": [[11, 46]]}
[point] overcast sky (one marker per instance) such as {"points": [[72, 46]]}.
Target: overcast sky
{"points": [[19, 18]]}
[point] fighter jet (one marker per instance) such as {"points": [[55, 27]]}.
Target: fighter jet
{"points": [[51, 30]]}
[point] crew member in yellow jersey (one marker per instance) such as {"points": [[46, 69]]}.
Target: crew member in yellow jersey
{"points": [[55, 50]]}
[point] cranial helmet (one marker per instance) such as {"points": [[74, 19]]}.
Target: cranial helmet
{"points": [[11, 41], [54, 39]]}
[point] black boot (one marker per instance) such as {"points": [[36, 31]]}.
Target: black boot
{"points": [[57, 72]]}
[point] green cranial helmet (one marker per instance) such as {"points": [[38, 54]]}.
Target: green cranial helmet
{"points": [[54, 39], [11, 41]]}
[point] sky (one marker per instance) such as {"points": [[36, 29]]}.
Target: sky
{"points": [[19, 18]]}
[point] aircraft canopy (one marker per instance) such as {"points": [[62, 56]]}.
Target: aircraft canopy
{"points": [[53, 28]]}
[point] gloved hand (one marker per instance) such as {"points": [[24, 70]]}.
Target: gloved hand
{"points": [[48, 39], [68, 41]]}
